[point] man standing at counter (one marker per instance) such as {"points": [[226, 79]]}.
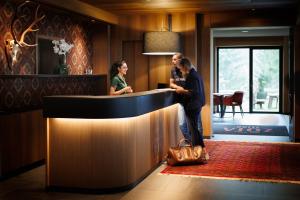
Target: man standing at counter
{"points": [[193, 101], [177, 81]]}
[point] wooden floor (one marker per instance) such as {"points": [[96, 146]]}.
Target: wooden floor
{"points": [[31, 185]]}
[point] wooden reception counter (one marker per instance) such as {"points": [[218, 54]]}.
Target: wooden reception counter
{"points": [[107, 143]]}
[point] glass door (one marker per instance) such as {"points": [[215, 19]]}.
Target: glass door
{"points": [[233, 73], [266, 79], [254, 70]]}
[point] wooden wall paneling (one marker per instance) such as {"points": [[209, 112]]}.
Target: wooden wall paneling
{"points": [[10, 144], [256, 18], [86, 10], [285, 75], [101, 49], [297, 83], [23, 139], [116, 44], [159, 70], [28, 141], [127, 23], [137, 74], [185, 23], [190, 37], [135, 28], [141, 68], [129, 56], [204, 68]]}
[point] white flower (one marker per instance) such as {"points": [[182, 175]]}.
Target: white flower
{"points": [[56, 49], [61, 47]]}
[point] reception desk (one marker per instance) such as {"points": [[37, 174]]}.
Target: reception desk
{"points": [[107, 143]]}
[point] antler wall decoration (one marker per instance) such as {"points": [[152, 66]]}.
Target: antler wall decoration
{"points": [[13, 45]]}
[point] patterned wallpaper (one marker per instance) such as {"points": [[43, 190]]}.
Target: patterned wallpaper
{"points": [[24, 93], [57, 24]]}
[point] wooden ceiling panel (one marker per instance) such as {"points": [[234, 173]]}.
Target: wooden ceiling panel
{"points": [[139, 6]]}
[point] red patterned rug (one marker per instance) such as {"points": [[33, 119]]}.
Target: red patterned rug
{"points": [[270, 162]]}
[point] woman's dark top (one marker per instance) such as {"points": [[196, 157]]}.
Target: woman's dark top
{"points": [[118, 83], [194, 84]]}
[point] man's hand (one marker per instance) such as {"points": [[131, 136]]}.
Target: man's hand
{"points": [[179, 87], [180, 90]]}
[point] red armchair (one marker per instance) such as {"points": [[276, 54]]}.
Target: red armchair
{"points": [[234, 100], [218, 103]]}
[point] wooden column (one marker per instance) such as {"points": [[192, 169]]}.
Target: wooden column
{"points": [[203, 61], [297, 83]]}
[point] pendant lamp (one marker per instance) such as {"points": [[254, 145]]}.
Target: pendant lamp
{"points": [[162, 42]]}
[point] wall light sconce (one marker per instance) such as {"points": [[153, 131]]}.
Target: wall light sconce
{"points": [[162, 42]]}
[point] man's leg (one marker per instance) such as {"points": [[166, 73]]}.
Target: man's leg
{"points": [[200, 127], [192, 118], [182, 123]]}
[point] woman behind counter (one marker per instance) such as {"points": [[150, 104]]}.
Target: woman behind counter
{"points": [[118, 84]]}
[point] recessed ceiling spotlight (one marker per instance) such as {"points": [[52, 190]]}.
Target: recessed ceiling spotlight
{"points": [[245, 31]]}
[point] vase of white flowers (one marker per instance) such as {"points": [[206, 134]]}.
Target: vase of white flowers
{"points": [[61, 47]]}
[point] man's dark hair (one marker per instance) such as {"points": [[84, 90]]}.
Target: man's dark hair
{"points": [[185, 62]]}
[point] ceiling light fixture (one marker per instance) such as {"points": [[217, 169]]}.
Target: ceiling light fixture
{"points": [[162, 42]]}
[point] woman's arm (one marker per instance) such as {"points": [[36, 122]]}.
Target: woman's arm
{"points": [[119, 92], [182, 91], [174, 85]]}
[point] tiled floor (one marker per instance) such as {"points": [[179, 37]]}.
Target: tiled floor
{"points": [[31, 185]]}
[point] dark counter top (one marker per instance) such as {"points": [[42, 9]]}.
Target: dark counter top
{"points": [[104, 107]]}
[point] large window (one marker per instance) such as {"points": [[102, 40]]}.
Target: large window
{"points": [[253, 70]]}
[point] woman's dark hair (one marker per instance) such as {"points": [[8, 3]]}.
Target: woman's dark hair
{"points": [[185, 63], [114, 68]]}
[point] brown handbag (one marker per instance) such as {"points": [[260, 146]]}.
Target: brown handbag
{"points": [[185, 155]]}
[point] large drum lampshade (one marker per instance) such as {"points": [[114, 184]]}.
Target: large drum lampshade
{"points": [[161, 43]]}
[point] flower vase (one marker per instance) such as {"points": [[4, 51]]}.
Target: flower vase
{"points": [[63, 68]]}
